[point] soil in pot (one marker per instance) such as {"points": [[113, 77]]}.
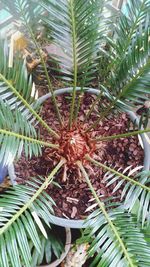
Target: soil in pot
{"points": [[73, 198]]}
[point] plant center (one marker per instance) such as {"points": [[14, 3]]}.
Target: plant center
{"points": [[74, 144]]}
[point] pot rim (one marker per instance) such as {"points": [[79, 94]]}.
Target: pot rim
{"points": [[77, 224]]}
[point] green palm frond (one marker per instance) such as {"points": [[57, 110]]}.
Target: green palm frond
{"points": [[104, 246], [23, 9], [127, 134], [132, 79], [129, 79], [135, 192], [138, 198], [23, 226], [128, 69], [133, 196], [111, 177], [33, 14], [146, 232], [16, 87], [17, 134], [16, 76], [77, 28], [112, 232], [51, 245], [127, 26], [20, 211]]}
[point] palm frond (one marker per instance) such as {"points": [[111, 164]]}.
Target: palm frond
{"points": [[33, 14], [129, 63], [21, 208], [16, 87], [111, 178], [111, 170], [16, 76], [23, 9], [129, 79], [104, 246], [127, 134], [77, 27], [135, 191], [75, 30], [126, 27], [17, 134], [114, 242], [134, 196], [50, 246], [139, 199]]}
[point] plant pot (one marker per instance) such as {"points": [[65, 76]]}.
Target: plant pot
{"points": [[3, 172], [6, 170], [70, 223], [64, 254]]}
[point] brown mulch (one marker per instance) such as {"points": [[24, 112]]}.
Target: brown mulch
{"points": [[73, 198]]}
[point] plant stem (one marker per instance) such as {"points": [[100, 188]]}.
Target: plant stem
{"points": [[29, 139], [74, 63], [102, 208], [80, 99], [93, 105], [107, 138], [29, 106], [104, 114], [44, 66], [117, 173], [33, 198]]}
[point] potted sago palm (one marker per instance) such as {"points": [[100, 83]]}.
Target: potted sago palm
{"points": [[75, 152]]}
